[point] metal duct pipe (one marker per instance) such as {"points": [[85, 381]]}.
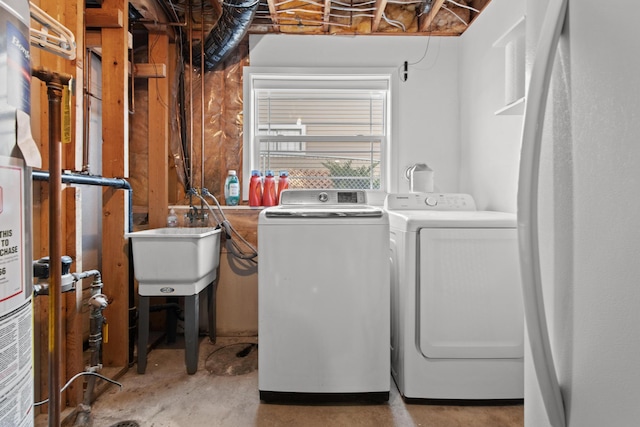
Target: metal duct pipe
{"points": [[82, 179], [229, 31], [426, 7]]}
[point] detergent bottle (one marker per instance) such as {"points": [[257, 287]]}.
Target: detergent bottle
{"points": [[283, 184], [255, 189], [269, 196]]}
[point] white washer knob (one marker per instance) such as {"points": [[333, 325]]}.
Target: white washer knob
{"points": [[431, 201]]}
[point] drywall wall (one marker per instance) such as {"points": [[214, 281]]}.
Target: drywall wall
{"points": [[425, 118], [489, 143]]}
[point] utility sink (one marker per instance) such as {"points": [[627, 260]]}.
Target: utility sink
{"points": [[175, 261]]}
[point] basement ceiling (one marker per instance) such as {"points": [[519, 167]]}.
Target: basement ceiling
{"points": [[349, 17]]}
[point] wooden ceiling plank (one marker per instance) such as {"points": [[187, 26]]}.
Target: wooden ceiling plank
{"points": [[273, 11], [435, 8], [380, 7]]}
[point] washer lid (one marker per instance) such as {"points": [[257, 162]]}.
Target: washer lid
{"points": [[322, 211], [414, 220]]}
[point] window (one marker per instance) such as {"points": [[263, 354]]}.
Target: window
{"points": [[327, 130], [279, 130]]}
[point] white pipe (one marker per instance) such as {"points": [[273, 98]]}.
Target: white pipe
{"points": [[54, 37]]}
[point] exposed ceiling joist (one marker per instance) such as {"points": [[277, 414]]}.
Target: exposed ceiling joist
{"points": [[348, 17], [426, 22]]}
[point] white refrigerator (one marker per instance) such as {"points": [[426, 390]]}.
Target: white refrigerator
{"points": [[579, 213]]}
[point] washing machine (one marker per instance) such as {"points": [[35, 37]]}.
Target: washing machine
{"points": [[323, 298], [457, 315]]}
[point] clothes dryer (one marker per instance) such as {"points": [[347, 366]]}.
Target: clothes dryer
{"points": [[456, 299]]}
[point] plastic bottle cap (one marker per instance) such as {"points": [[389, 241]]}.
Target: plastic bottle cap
{"points": [[255, 173], [232, 172], [269, 173]]}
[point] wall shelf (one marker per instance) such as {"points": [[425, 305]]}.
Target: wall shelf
{"points": [[513, 109], [517, 30], [513, 43]]}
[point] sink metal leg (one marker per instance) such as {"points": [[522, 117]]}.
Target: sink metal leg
{"points": [[211, 309], [172, 320], [143, 333], [191, 316]]}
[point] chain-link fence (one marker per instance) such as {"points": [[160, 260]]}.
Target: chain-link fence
{"points": [[339, 175]]}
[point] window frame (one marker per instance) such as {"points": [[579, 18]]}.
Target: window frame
{"points": [[362, 78]]}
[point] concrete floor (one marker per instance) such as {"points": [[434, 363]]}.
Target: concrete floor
{"points": [[224, 392]]}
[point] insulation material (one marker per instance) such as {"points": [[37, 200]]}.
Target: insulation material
{"points": [[350, 25], [400, 18], [307, 17], [300, 17], [138, 134], [450, 18], [177, 175], [222, 124]]}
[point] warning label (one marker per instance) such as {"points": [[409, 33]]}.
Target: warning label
{"points": [[11, 244]]}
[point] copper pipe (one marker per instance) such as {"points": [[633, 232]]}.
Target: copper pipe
{"points": [[190, 37], [132, 82], [202, 103], [55, 83]]}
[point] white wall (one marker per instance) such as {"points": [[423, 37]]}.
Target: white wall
{"points": [[490, 144], [426, 120]]}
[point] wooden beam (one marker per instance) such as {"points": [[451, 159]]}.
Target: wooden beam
{"points": [[71, 15], [104, 18], [273, 12], [426, 22], [148, 71], [326, 17], [115, 163], [158, 135], [377, 17], [93, 39]]}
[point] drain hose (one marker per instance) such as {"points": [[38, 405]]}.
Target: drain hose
{"points": [[231, 244]]}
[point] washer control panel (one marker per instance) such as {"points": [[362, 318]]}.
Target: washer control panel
{"points": [[323, 197], [430, 201]]}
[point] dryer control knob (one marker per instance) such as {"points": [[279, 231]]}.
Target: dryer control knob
{"points": [[431, 201], [323, 197]]}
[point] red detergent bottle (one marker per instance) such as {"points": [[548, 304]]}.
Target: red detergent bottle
{"points": [[269, 196], [283, 184], [255, 189]]}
